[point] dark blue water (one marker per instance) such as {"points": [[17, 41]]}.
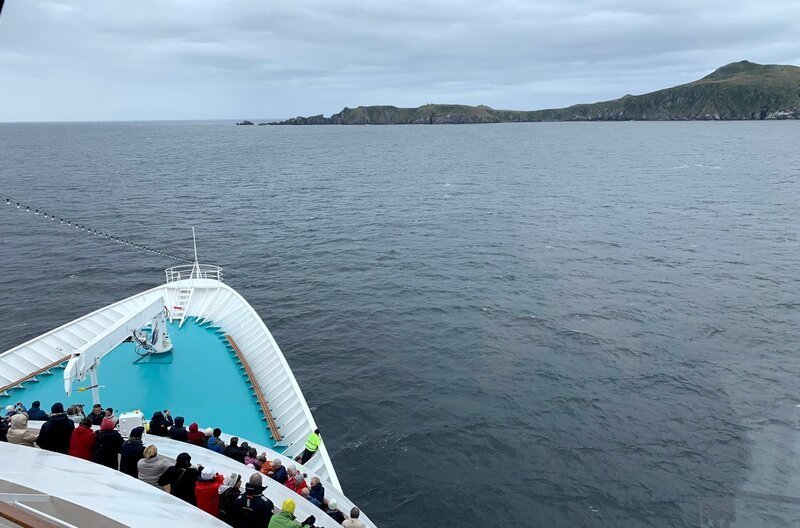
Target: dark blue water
{"points": [[523, 324]]}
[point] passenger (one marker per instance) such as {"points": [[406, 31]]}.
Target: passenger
{"points": [[266, 466], [4, 425], [207, 491], [209, 432], [354, 521], [178, 431], [10, 411], [110, 415], [278, 471], [181, 479], [333, 511], [297, 484], [252, 509], [108, 443], [18, 431], [152, 466], [56, 432], [251, 459], [215, 443], [233, 451], [306, 494], [83, 438], [35, 413], [132, 452], [316, 490], [160, 423], [194, 436], [228, 493], [312, 445], [244, 447], [74, 414], [285, 519], [97, 414]]}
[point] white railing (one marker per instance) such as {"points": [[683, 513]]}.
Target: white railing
{"points": [[193, 271]]}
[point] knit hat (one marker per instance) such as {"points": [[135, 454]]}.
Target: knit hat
{"points": [[332, 505], [107, 424], [207, 474], [288, 506], [57, 408], [209, 431], [136, 432], [231, 480]]}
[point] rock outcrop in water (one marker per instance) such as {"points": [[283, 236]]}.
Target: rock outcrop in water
{"points": [[740, 90]]}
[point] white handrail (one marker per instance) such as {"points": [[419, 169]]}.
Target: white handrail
{"points": [[193, 271]]}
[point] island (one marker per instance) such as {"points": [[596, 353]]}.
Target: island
{"points": [[245, 122], [738, 91]]}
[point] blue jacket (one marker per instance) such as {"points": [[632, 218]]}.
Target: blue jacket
{"points": [[35, 413], [215, 444], [280, 475], [317, 492]]}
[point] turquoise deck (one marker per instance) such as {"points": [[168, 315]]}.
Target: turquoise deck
{"points": [[201, 380]]}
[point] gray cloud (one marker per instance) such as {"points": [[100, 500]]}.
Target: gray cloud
{"points": [[178, 59]]}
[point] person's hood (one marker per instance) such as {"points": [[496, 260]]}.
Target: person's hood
{"points": [[184, 461], [158, 416], [229, 482], [192, 428], [251, 489], [19, 421], [179, 421], [107, 424]]}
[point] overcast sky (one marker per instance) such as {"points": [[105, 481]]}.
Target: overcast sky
{"points": [[206, 59]]}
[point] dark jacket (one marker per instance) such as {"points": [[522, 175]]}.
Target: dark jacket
{"points": [[227, 502], [106, 448], [56, 433], [317, 492], [234, 452], [336, 515], [280, 475], [181, 479], [97, 419], [130, 455], [159, 425], [178, 431], [4, 425], [35, 413], [252, 509]]}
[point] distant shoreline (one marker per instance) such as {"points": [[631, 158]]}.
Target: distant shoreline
{"points": [[740, 91]]}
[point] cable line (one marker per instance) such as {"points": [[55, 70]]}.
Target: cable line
{"points": [[89, 230]]}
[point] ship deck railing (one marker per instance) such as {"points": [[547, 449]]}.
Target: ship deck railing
{"points": [[193, 271]]}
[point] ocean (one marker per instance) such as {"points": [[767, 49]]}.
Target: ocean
{"points": [[538, 324]]}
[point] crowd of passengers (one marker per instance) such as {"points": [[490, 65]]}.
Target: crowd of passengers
{"points": [[71, 432]]}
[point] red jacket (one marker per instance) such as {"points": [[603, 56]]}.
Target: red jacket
{"points": [[195, 436], [208, 495], [82, 443], [294, 486]]}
